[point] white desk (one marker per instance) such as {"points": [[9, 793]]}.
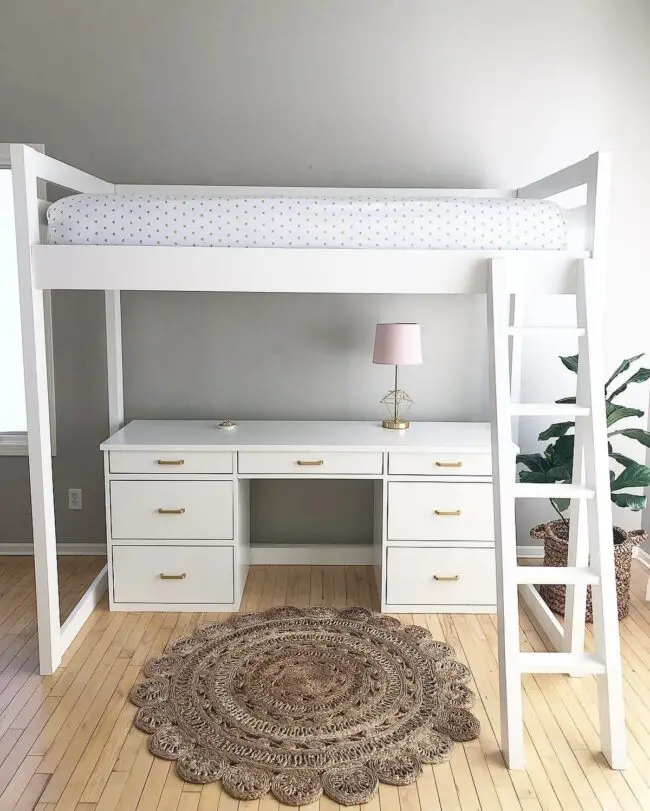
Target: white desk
{"points": [[177, 505]]}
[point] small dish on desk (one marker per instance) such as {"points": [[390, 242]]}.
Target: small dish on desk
{"points": [[227, 424]]}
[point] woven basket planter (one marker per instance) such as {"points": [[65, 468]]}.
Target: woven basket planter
{"points": [[555, 536]]}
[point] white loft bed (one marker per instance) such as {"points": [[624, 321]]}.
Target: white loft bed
{"points": [[501, 274]]}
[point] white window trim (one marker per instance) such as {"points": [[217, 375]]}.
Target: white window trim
{"points": [[15, 444]]}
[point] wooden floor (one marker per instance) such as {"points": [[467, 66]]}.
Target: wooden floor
{"points": [[66, 741]]}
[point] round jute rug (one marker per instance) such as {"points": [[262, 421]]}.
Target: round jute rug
{"points": [[302, 702]]}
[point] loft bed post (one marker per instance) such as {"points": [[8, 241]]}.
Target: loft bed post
{"points": [[114, 373], [31, 170], [32, 316]]}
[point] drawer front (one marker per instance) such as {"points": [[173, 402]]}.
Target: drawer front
{"points": [[440, 464], [170, 463], [441, 576], [440, 511], [173, 574], [169, 510], [306, 462]]}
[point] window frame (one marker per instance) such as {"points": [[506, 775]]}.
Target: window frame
{"points": [[15, 443]]}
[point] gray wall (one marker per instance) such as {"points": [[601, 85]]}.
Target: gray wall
{"points": [[325, 92]]}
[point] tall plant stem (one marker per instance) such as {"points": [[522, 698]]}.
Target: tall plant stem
{"points": [[566, 523]]}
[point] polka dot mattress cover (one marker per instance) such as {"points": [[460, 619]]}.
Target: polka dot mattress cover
{"points": [[307, 222]]}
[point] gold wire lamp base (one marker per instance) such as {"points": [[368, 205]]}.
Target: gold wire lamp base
{"points": [[399, 424], [396, 403]]}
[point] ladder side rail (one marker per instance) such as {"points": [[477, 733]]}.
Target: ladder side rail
{"points": [[578, 551], [516, 357], [605, 620], [510, 690]]}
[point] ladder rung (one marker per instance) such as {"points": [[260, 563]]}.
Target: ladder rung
{"points": [[577, 664], [549, 410], [547, 331], [524, 490], [565, 575]]}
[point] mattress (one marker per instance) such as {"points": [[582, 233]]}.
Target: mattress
{"points": [[307, 222]]}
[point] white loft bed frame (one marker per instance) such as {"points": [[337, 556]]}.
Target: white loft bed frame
{"points": [[504, 274]]}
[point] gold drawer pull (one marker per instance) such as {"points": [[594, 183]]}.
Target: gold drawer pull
{"points": [[171, 461], [181, 576], [309, 463], [446, 577], [171, 511], [447, 512], [449, 464]]}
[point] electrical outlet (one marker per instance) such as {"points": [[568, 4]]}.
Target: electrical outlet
{"points": [[75, 499]]}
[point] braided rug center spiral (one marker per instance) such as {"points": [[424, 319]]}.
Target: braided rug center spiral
{"points": [[302, 702]]}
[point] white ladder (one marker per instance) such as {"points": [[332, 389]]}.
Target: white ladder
{"points": [[591, 558]]}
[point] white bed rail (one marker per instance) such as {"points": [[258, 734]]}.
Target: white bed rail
{"points": [[582, 188], [61, 174]]}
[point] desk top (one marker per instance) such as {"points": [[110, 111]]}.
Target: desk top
{"points": [[270, 435]]}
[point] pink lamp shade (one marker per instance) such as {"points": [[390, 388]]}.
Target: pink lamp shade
{"points": [[398, 344]]}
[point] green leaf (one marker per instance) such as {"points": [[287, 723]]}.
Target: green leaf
{"points": [[634, 475], [534, 461], [533, 476], [618, 412], [640, 376], [571, 362], [562, 504], [622, 460], [635, 433], [634, 503], [556, 430], [566, 400], [623, 367], [554, 474], [561, 451]]}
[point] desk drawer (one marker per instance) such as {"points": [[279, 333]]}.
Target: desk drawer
{"points": [[440, 511], [181, 462], [306, 462], [169, 510], [440, 464], [440, 576], [173, 574]]}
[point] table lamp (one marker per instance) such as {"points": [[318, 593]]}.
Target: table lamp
{"points": [[397, 345]]}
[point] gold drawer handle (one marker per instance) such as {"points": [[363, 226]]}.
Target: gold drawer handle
{"points": [[171, 461], [446, 577], [171, 511], [449, 464], [309, 463], [181, 576], [454, 513]]}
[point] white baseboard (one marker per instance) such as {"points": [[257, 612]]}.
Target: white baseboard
{"points": [[312, 554], [530, 552], [61, 549], [642, 556], [84, 608], [287, 554]]}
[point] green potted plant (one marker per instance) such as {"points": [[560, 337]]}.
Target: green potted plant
{"points": [[556, 465]]}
